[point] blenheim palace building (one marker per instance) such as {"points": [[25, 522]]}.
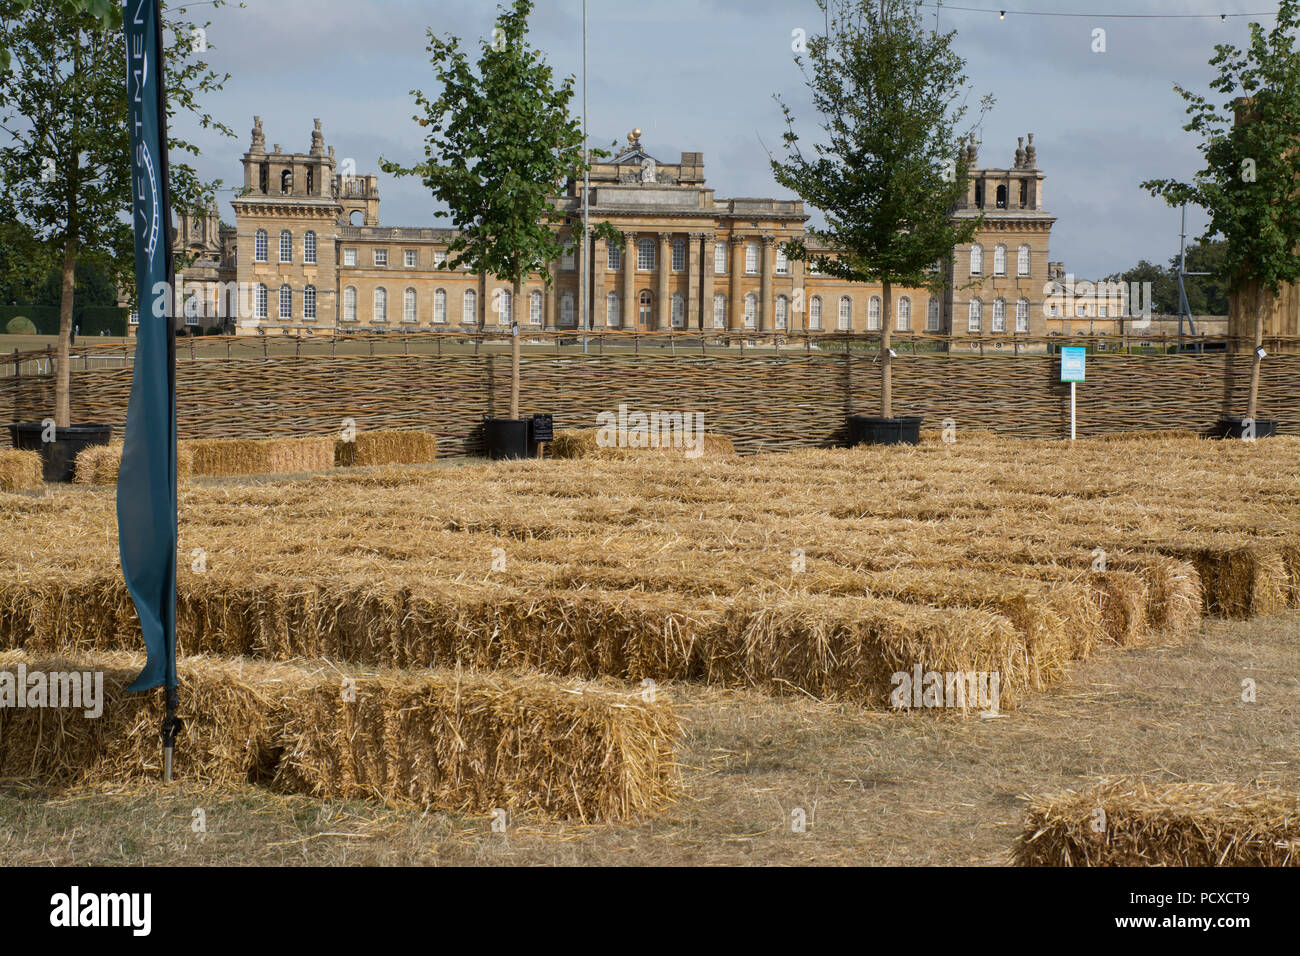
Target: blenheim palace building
{"points": [[310, 254]]}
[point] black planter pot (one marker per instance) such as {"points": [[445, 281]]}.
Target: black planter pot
{"points": [[1236, 428], [59, 457], [873, 430], [505, 438]]}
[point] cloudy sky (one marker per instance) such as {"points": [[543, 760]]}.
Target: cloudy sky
{"points": [[699, 75]]}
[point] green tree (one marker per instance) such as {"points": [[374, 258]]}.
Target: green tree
{"points": [[107, 12], [1164, 291], [24, 259], [1206, 295], [500, 144], [889, 169], [1250, 182], [65, 138]]}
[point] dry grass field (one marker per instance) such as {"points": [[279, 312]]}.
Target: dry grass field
{"points": [[767, 605]]}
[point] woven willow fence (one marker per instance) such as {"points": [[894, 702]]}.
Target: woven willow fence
{"points": [[762, 400]]}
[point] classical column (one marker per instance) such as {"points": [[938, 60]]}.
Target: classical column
{"points": [[665, 264], [706, 284], [629, 280], [551, 303], [799, 296], [737, 304], [579, 250], [599, 260], [766, 314], [692, 317]]}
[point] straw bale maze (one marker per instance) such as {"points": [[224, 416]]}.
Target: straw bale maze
{"points": [[949, 653]]}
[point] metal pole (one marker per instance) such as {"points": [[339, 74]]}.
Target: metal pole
{"points": [[583, 296], [1073, 385]]}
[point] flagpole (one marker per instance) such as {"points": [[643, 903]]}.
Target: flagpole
{"points": [[586, 190], [171, 724], [146, 492]]}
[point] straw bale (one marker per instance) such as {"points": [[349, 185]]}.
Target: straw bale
{"points": [[20, 470], [582, 443], [387, 447], [449, 740], [1239, 582], [265, 456], [99, 464], [1171, 824], [851, 648], [473, 742], [228, 709]]}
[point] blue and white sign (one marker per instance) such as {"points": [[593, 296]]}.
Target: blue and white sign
{"points": [[1073, 358]]}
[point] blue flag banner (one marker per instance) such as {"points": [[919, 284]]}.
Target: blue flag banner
{"points": [[146, 484]]}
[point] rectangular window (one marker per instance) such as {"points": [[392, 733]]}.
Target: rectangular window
{"points": [[349, 257], [679, 256], [411, 258], [615, 260], [381, 257], [309, 249], [720, 258], [567, 259], [440, 257], [782, 262], [751, 259]]}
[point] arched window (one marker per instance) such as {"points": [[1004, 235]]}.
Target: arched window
{"points": [[286, 303], [505, 306], [1002, 197], [679, 255], [678, 311], [566, 309], [846, 313], [408, 306], [309, 248], [612, 318], [259, 246], [751, 258], [286, 181], [567, 258], [782, 262], [350, 304], [644, 302], [815, 312], [999, 315], [286, 246], [535, 308], [1022, 261], [440, 306], [259, 302], [1022, 315], [719, 311], [645, 255], [976, 319], [751, 311], [720, 257], [782, 312], [469, 308], [873, 314], [905, 314], [976, 259], [381, 305], [999, 260], [615, 260], [932, 315], [309, 303]]}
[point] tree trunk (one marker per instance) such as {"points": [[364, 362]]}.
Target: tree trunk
{"points": [[63, 376], [515, 297], [1255, 360], [886, 359]]}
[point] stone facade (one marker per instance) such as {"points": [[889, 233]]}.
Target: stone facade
{"points": [[308, 238]]}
